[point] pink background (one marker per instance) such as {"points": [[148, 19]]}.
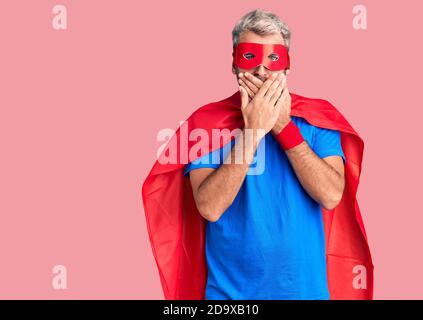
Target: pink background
{"points": [[80, 110]]}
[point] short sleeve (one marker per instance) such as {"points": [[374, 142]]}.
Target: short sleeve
{"points": [[210, 160], [327, 143]]}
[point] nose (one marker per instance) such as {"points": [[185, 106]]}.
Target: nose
{"points": [[261, 72]]}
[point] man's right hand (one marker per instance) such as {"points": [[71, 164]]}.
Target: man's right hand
{"points": [[261, 112], [214, 190]]}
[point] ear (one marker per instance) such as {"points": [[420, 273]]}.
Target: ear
{"points": [[234, 69]]}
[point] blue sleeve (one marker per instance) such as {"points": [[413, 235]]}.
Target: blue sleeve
{"points": [[327, 143], [211, 160]]}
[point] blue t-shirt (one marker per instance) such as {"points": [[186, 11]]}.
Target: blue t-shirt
{"points": [[270, 243]]}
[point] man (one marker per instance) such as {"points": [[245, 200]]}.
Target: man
{"points": [[265, 234]]}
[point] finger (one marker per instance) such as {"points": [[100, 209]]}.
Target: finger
{"points": [[277, 109], [284, 81], [254, 81], [276, 95], [249, 84], [284, 96], [266, 85], [288, 96], [272, 89], [286, 89], [283, 86], [244, 97], [250, 93], [285, 92], [279, 102]]}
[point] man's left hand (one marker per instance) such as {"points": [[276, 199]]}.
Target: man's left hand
{"points": [[252, 84]]}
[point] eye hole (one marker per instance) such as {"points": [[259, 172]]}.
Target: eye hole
{"points": [[248, 55], [274, 57]]}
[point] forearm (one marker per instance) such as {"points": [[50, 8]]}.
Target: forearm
{"points": [[322, 182], [217, 192]]}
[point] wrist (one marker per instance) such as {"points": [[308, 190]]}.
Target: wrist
{"points": [[290, 136], [253, 136], [280, 126], [251, 141]]}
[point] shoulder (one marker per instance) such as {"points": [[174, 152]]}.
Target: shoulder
{"points": [[303, 102], [320, 113]]}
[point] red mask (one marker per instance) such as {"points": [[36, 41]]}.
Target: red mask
{"points": [[250, 55]]}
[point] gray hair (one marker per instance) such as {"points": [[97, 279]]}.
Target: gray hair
{"points": [[262, 23]]}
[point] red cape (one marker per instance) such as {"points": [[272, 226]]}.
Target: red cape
{"points": [[177, 230]]}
